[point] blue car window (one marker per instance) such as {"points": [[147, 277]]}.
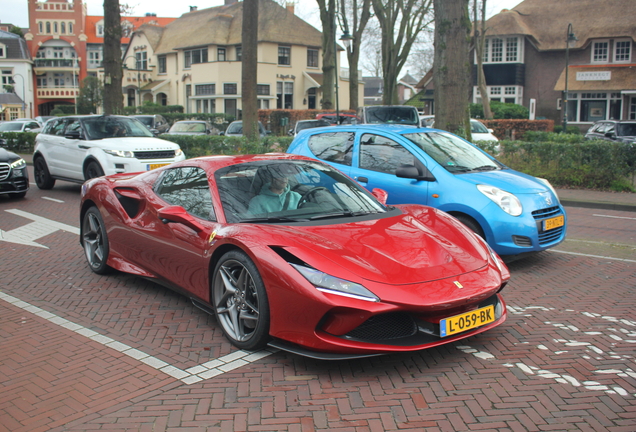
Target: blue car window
{"points": [[378, 153], [336, 147]]}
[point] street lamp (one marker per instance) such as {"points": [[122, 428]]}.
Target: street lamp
{"points": [[570, 39], [137, 68], [23, 93]]}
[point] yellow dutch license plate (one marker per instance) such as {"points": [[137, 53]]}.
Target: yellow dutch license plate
{"points": [[466, 321], [154, 166], [554, 222]]}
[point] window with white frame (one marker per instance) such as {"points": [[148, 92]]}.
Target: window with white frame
{"points": [[3, 51], [506, 50], [284, 55], [632, 109], [623, 51], [230, 88], [100, 29], [506, 94], [220, 54], [262, 89], [312, 58], [600, 52], [142, 60]]}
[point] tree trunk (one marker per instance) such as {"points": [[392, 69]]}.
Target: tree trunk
{"points": [[452, 66], [249, 69], [113, 99], [328, 18], [358, 24], [480, 41]]}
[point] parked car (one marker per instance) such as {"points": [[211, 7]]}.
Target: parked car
{"points": [[14, 177], [307, 124], [389, 114], [155, 122], [236, 129], [43, 119], [29, 125], [613, 130], [193, 127], [478, 130], [514, 212], [331, 273], [78, 148], [340, 118]]}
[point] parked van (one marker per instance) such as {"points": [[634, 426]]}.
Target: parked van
{"points": [[404, 115]]}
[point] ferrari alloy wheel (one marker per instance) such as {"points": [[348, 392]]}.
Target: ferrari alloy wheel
{"points": [[95, 241], [93, 170], [43, 178], [240, 301]]}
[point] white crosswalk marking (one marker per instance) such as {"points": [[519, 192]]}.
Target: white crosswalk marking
{"points": [[40, 227]]}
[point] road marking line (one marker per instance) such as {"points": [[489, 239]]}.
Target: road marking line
{"points": [[592, 256], [29, 233], [614, 217], [53, 199], [191, 375]]}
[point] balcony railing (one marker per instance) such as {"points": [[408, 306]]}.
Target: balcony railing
{"points": [[57, 92], [56, 63]]}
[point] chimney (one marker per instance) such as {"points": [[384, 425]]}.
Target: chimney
{"points": [[193, 8], [291, 7]]}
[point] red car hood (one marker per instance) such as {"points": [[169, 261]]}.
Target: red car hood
{"points": [[420, 245]]}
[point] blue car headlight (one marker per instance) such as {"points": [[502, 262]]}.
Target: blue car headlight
{"points": [[547, 183], [505, 200], [333, 285]]}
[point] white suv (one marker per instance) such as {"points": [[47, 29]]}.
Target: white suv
{"points": [[78, 148]]}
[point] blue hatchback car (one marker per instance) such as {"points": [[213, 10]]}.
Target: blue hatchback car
{"points": [[515, 213]]}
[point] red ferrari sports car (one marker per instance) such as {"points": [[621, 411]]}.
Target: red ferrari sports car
{"points": [[290, 252]]}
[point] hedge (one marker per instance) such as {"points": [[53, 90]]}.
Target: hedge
{"points": [[566, 160]]}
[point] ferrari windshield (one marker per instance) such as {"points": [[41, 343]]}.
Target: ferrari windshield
{"points": [[114, 127], [452, 152], [290, 191]]}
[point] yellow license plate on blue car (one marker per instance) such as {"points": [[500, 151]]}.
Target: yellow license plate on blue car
{"points": [[553, 223]]}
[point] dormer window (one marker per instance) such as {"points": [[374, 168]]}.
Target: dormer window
{"points": [[3, 51], [99, 27], [600, 52], [503, 50], [623, 51]]}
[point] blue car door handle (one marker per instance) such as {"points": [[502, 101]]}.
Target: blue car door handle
{"points": [[363, 179]]}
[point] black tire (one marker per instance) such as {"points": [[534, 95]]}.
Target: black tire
{"points": [[240, 301], [471, 224], [93, 169], [95, 241], [43, 178]]}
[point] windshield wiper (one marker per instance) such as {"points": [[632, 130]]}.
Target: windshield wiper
{"points": [[347, 213], [485, 168], [273, 219]]}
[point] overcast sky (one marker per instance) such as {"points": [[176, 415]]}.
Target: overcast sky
{"points": [[15, 11]]}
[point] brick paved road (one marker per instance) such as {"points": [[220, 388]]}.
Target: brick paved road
{"points": [[564, 360]]}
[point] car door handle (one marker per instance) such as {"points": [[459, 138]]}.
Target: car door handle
{"points": [[83, 147], [363, 179]]}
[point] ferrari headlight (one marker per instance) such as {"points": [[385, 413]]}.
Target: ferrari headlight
{"points": [[20, 163], [492, 253], [507, 201], [333, 285], [120, 153], [547, 183]]}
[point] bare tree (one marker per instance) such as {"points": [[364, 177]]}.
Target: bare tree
{"points": [[451, 74], [401, 22], [354, 16], [479, 41], [113, 100], [328, 20], [249, 68]]}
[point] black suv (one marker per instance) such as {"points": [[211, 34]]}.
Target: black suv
{"points": [[155, 122], [14, 177], [613, 130]]}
